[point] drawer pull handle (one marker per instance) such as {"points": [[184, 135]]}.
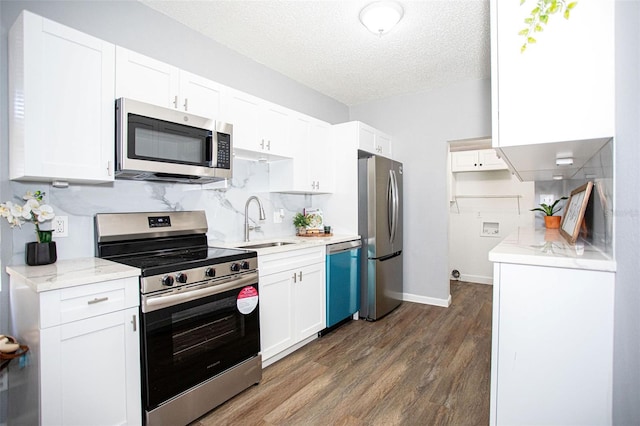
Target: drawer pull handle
{"points": [[97, 300]]}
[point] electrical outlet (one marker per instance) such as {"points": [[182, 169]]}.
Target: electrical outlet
{"points": [[276, 217], [60, 226], [546, 199]]}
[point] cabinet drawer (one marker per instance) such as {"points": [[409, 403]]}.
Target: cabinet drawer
{"points": [[292, 259], [76, 303]]}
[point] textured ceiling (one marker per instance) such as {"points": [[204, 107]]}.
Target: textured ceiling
{"points": [[323, 45]]}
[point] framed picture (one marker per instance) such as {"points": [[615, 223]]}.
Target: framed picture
{"points": [[573, 216]]}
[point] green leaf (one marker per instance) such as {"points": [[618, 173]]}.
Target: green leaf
{"points": [[544, 18], [523, 48], [538, 28], [528, 20], [535, 11], [524, 32], [572, 5], [531, 40], [522, 2], [566, 14]]}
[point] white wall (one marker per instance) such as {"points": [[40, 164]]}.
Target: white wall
{"points": [[626, 361], [468, 247], [421, 124]]}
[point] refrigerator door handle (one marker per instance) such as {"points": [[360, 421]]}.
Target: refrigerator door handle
{"points": [[393, 204]]}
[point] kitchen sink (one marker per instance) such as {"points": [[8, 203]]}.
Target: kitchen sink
{"points": [[265, 245]]}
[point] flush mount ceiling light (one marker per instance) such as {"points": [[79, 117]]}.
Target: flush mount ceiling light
{"points": [[381, 16], [564, 161], [558, 177]]}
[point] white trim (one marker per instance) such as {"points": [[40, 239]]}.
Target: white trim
{"points": [[425, 300], [476, 279], [288, 351]]}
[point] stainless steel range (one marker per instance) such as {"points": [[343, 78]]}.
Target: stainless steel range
{"points": [[200, 339]]}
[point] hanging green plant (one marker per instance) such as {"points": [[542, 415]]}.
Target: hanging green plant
{"points": [[539, 18]]}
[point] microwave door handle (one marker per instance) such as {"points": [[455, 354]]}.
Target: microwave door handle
{"points": [[213, 151]]}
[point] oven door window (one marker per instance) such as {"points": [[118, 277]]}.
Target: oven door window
{"points": [[157, 140], [189, 343]]}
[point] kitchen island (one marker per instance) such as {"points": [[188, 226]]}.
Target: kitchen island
{"points": [[552, 346]]}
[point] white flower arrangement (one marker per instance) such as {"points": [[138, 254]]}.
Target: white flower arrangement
{"points": [[33, 210]]}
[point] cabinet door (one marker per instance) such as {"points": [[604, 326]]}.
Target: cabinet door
{"points": [[321, 159], [464, 161], [553, 334], [275, 124], [383, 144], [199, 96], [367, 139], [90, 371], [535, 102], [488, 160], [146, 79], [61, 84], [309, 289], [243, 112], [276, 313]]}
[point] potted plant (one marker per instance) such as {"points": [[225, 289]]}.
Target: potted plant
{"points": [[301, 221], [550, 221], [42, 252]]}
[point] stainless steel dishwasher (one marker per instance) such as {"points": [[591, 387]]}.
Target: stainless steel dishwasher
{"points": [[343, 282]]}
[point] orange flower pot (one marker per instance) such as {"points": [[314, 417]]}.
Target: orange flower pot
{"points": [[552, 222]]}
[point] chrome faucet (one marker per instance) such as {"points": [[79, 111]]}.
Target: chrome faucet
{"points": [[246, 216]]}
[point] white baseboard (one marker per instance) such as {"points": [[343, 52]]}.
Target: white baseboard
{"points": [[425, 300], [288, 351], [477, 279]]}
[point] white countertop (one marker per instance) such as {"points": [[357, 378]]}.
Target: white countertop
{"points": [[298, 243], [546, 247], [89, 270], [70, 273]]}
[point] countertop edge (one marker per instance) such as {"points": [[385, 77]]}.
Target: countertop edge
{"points": [[528, 246], [70, 273]]}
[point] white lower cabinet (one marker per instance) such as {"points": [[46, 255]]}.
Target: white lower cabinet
{"points": [[84, 358], [552, 346], [292, 300]]}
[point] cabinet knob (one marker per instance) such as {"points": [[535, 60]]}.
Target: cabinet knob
{"points": [[186, 104], [175, 101]]}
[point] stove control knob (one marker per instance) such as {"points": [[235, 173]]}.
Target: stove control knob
{"points": [[244, 264], [210, 272], [167, 280], [235, 267], [181, 277]]}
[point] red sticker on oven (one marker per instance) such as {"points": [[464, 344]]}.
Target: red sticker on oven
{"points": [[247, 300]]}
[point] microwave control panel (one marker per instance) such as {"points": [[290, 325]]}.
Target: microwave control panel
{"points": [[224, 151]]}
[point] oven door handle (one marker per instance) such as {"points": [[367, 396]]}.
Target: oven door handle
{"points": [[153, 303]]}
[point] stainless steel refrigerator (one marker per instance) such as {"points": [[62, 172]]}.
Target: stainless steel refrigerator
{"points": [[380, 225]]}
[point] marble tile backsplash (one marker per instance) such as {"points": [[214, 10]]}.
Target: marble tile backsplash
{"points": [[224, 207]]}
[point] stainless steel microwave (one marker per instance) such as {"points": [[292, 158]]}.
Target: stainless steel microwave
{"points": [[156, 143]]}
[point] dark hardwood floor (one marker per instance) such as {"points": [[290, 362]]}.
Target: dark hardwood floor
{"points": [[420, 365]]}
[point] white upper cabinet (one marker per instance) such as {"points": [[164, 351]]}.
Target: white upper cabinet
{"points": [[148, 80], [61, 109], [311, 170], [374, 141], [476, 161], [261, 130], [562, 87]]}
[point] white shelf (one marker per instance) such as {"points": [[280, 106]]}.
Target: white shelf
{"points": [[456, 197]]}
